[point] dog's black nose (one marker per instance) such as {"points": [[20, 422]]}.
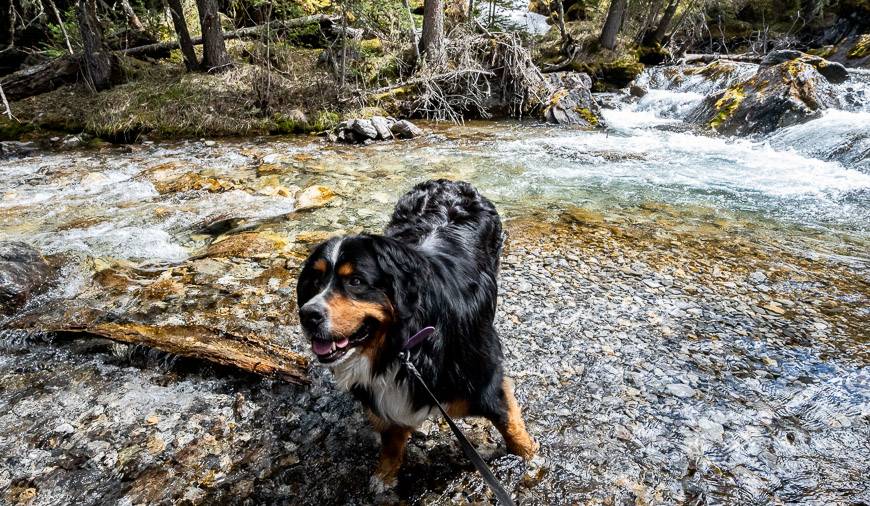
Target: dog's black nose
{"points": [[311, 316]]}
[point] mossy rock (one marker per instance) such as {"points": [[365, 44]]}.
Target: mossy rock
{"points": [[12, 130], [652, 55], [777, 96], [861, 48], [372, 47], [823, 52], [611, 75]]}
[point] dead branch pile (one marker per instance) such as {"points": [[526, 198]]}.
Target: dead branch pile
{"points": [[478, 74]]}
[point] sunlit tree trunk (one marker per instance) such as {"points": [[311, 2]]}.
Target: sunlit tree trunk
{"points": [[664, 22], [214, 50], [613, 23], [432, 38], [176, 11]]}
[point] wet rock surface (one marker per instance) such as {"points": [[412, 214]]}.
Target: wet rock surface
{"points": [[775, 97], [834, 72], [667, 345], [23, 272], [647, 372], [361, 130], [571, 101]]}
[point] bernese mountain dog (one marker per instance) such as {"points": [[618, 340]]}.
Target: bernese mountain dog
{"points": [[361, 297]]}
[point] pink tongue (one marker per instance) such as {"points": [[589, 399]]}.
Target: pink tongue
{"points": [[344, 342], [321, 347]]}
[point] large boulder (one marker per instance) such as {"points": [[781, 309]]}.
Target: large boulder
{"points": [[570, 100], [404, 129], [776, 96], [23, 273], [834, 72]]}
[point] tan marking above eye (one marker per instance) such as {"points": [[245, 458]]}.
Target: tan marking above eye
{"points": [[345, 269], [319, 265]]}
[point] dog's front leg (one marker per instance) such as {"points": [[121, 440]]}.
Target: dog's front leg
{"points": [[393, 441]]}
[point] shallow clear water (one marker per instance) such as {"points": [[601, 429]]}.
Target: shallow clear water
{"points": [[777, 412]]}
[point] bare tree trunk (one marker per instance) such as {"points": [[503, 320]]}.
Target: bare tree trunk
{"points": [[214, 50], [561, 6], [413, 30], [177, 12], [132, 18], [62, 25], [97, 61], [664, 22], [613, 23], [433, 27], [8, 111], [654, 7]]}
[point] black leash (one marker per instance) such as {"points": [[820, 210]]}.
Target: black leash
{"points": [[467, 448]]}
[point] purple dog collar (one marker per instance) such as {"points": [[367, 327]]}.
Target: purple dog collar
{"points": [[418, 338]]}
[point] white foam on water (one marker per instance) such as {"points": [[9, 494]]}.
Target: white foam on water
{"points": [[701, 162], [837, 135], [108, 240]]}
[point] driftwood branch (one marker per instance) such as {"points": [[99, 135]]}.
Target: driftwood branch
{"points": [[206, 343], [8, 110]]}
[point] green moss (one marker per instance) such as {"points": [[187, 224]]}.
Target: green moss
{"points": [[726, 105], [861, 48], [325, 120], [652, 55], [588, 115], [283, 124], [371, 47], [11, 130], [824, 51]]}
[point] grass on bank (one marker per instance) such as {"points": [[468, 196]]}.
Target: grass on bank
{"points": [[163, 101]]}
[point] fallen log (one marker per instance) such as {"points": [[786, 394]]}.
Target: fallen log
{"points": [[41, 78], [204, 343], [707, 58]]}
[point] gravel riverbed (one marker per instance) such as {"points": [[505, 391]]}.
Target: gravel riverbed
{"points": [[653, 366]]}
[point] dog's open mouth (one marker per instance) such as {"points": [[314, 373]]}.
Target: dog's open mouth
{"points": [[330, 351]]}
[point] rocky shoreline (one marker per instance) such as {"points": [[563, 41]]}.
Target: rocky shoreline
{"points": [[654, 366]]}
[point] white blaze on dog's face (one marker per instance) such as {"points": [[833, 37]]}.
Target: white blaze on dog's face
{"points": [[344, 308]]}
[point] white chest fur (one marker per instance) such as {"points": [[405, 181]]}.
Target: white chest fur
{"points": [[391, 398]]}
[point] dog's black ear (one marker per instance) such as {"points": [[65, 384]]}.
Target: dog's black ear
{"points": [[402, 267]]}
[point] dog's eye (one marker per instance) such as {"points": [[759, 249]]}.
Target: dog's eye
{"points": [[355, 281]]}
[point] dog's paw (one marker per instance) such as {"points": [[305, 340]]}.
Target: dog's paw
{"points": [[379, 484]]}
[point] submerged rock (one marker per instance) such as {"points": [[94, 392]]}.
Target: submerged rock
{"points": [[776, 96], [571, 101], [23, 272], [16, 148], [637, 91], [313, 197]]}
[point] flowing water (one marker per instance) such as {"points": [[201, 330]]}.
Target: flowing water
{"points": [[803, 191]]}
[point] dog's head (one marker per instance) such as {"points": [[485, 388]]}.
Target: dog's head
{"points": [[355, 294]]}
